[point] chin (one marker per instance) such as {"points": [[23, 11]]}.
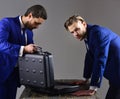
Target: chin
{"points": [[80, 39]]}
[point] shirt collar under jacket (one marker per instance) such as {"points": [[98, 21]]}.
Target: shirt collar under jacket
{"points": [[21, 23]]}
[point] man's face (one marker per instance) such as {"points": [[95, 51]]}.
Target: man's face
{"points": [[78, 30], [33, 23]]}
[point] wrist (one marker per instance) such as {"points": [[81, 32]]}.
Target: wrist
{"points": [[24, 50], [86, 80], [93, 88]]}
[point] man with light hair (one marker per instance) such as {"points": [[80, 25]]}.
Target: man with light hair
{"points": [[100, 61]]}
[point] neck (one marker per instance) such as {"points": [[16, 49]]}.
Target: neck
{"points": [[85, 36], [23, 19]]}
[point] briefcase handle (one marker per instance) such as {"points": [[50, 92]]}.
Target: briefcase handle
{"points": [[40, 51]]}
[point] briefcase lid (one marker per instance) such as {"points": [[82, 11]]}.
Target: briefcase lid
{"points": [[60, 88]]}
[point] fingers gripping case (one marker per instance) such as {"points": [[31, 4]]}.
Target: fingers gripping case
{"points": [[37, 70]]}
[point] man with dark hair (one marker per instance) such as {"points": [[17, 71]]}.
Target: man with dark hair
{"points": [[102, 57], [16, 38], [36, 12]]}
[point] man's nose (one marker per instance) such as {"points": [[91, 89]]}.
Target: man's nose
{"points": [[37, 25], [74, 33]]}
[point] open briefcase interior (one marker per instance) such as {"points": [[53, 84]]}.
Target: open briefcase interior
{"points": [[36, 71]]}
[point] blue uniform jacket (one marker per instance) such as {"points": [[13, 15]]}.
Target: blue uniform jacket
{"points": [[103, 56], [10, 43]]}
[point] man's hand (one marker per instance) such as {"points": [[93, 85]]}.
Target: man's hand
{"points": [[84, 93], [81, 82], [31, 48]]}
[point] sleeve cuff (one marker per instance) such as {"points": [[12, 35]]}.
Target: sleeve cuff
{"points": [[93, 88], [21, 51]]}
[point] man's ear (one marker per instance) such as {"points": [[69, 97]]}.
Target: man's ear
{"points": [[30, 15], [85, 24]]}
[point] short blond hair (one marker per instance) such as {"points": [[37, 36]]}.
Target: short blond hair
{"points": [[72, 19]]}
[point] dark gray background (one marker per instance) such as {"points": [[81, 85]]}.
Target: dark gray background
{"points": [[68, 52]]}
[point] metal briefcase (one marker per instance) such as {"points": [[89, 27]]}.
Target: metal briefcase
{"points": [[37, 70]]}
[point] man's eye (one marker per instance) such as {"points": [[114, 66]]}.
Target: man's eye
{"points": [[37, 23], [77, 29]]}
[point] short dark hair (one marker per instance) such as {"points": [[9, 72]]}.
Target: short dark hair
{"points": [[73, 19], [37, 11]]}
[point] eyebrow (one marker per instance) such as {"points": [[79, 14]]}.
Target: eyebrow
{"points": [[38, 23], [74, 30]]}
